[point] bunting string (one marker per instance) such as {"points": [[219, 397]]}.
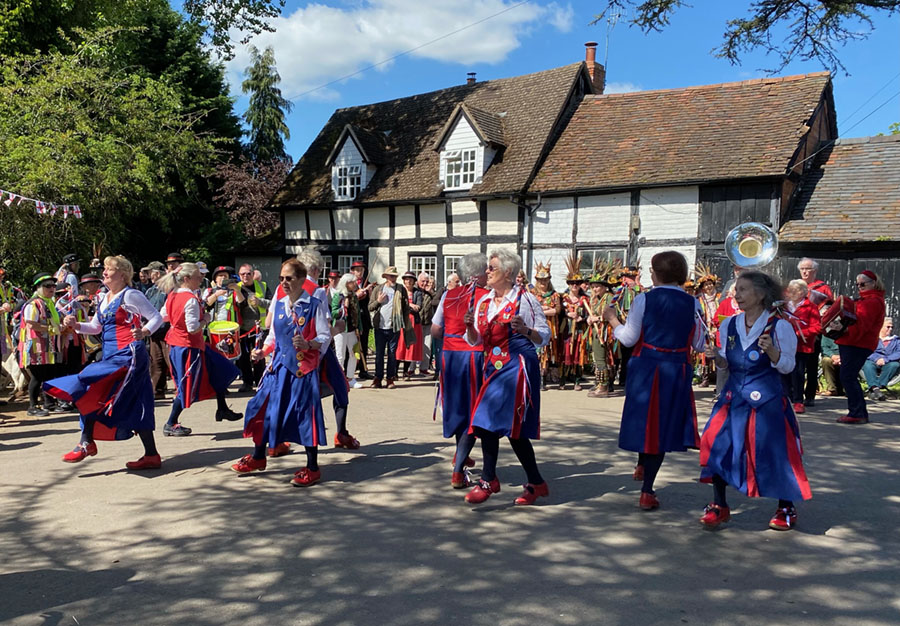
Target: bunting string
{"points": [[11, 199]]}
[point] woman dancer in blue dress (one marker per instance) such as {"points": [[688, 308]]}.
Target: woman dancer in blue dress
{"points": [[659, 414], [287, 406], [200, 372], [752, 439], [114, 396], [510, 323], [461, 365]]}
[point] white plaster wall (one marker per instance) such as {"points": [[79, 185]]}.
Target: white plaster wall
{"points": [[404, 222], [557, 259], [466, 222], [461, 249], [295, 224], [378, 261], [502, 218], [377, 223], [319, 225], [346, 223], [604, 218], [670, 212], [433, 220], [646, 253], [553, 221]]}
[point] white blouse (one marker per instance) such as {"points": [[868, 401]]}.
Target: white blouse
{"points": [[529, 310], [629, 332], [134, 302], [782, 336], [323, 328]]}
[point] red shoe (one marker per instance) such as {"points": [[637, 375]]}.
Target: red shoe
{"points": [[847, 419], [713, 515], [469, 462], [784, 519], [460, 480], [145, 463], [648, 501], [306, 477], [638, 473], [248, 464], [483, 491], [281, 449], [345, 440], [80, 453], [799, 408], [532, 493]]}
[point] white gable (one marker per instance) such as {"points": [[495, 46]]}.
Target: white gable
{"points": [[350, 156], [461, 138]]}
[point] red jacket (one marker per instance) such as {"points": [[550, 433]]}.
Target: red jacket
{"points": [[807, 326], [869, 320]]}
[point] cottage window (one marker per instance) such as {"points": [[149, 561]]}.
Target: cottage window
{"points": [[459, 169], [349, 181], [346, 260], [589, 257], [451, 263], [423, 263]]}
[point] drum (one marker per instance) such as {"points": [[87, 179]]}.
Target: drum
{"points": [[225, 338]]}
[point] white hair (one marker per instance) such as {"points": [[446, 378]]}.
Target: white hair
{"points": [[173, 280], [312, 259], [342, 283], [510, 262], [806, 259], [800, 284], [470, 266]]}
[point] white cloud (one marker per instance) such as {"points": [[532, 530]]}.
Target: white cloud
{"points": [[621, 88], [319, 43]]}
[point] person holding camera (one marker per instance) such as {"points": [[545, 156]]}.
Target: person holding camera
{"points": [[224, 298]]}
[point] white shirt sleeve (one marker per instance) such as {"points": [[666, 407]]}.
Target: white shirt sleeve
{"points": [[786, 341], [192, 315], [533, 316], [438, 317], [629, 332], [138, 302], [323, 326]]}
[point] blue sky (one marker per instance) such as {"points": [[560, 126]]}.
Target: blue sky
{"points": [[316, 43]]}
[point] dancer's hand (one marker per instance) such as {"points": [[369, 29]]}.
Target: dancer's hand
{"points": [[469, 319], [300, 344], [256, 355]]}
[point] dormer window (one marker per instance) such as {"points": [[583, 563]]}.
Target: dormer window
{"points": [[459, 168], [349, 181]]}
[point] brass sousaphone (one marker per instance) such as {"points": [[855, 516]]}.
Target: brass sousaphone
{"points": [[751, 244]]}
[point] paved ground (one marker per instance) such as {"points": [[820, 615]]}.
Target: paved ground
{"points": [[387, 541]]}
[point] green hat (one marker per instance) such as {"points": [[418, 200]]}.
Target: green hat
{"points": [[41, 277]]}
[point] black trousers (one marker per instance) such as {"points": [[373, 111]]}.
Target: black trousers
{"points": [[386, 339]]}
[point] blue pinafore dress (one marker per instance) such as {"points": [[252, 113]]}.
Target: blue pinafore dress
{"points": [[509, 403], [752, 439], [287, 406], [659, 414], [116, 392]]}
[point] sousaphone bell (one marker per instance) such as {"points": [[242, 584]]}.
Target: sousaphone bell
{"points": [[751, 244]]}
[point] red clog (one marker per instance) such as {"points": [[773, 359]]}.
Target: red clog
{"points": [[532, 493], [713, 515], [648, 501], [483, 491], [145, 463], [847, 419], [248, 464], [80, 453], [306, 477], [281, 449], [784, 519], [799, 408], [345, 440], [460, 480]]}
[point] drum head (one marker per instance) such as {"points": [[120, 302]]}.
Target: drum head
{"points": [[223, 327]]}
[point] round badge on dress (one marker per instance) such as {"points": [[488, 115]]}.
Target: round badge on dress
{"points": [[498, 365], [753, 356], [301, 321], [755, 395], [496, 350]]}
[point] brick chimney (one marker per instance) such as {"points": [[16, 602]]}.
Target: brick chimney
{"points": [[596, 71], [470, 78]]}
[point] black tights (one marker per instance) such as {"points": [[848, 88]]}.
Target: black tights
{"points": [[464, 444], [340, 417], [146, 436], [178, 407], [39, 374], [651, 464], [490, 449], [719, 485]]}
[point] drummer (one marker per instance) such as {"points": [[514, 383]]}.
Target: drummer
{"points": [[224, 297]]}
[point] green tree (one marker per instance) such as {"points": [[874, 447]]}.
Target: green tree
{"points": [[77, 129], [267, 108], [788, 29]]}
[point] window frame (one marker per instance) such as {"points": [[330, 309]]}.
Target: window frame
{"points": [[348, 179], [432, 256], [447, 262], [459, 168]]}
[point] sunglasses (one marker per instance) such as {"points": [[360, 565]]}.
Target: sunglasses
{"points": [[48, 285], [864, 283], [286, 279], [491, 268]]}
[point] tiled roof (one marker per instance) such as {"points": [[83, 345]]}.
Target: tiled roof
{"points": [[532, 103], [488, 125], [854, 195], [370, 143], [693, 134]]}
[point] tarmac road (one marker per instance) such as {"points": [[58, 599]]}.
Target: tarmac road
{"points": [[385, 540]]}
